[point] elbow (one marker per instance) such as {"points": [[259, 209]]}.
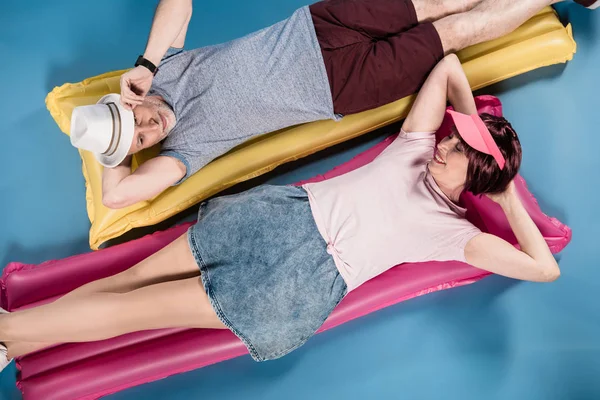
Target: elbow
{"points": [[452, 62], [450, 65], [452, 58], [551, 273], [113, 201], [552, 276]]}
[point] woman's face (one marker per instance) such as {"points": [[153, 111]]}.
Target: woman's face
{"points": [[449, 165]]}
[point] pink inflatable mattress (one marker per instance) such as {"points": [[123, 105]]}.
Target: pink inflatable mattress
{"points": [[91, 370]]}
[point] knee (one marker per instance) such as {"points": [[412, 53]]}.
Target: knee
{"points": [[456, 32], [7, 328], [134, 277], [469, 4], [126, 281]]}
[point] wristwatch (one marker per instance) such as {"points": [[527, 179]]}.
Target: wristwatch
{"points": [[146, 63]]}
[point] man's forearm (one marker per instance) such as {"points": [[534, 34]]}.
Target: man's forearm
{"points": [[111, 177], [169, 25], [121, 188]]}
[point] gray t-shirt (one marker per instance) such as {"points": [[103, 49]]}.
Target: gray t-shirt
{"points": [[225, 94]]}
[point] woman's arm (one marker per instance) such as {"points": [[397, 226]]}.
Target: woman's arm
{"points": [[446, 82], [169, 29], [534, 262]]}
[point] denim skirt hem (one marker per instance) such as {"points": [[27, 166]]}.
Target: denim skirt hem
{"points": [[265, 268], [205, 275]]}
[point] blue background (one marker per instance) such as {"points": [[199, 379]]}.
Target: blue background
{"points": [[498, 339]]}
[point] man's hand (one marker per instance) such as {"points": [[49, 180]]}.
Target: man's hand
{"points": [[135, 84]]}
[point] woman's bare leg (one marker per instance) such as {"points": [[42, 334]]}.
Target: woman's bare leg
{"points": [[98, 316], [173, 262]]}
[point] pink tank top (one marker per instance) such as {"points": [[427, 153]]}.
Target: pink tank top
{"points": [[389, 212]]}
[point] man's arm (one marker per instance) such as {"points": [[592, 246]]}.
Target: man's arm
{"points": [[121, 188], [446, 82], [169, 29]]}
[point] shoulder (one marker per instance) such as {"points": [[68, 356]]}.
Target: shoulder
{"points": [[458, 238], [427, 136], [453, 230], [412, 144], [410, 140], [170, 54], [176, 139]]}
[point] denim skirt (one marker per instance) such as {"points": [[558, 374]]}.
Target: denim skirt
{"points": [[265, 267]]}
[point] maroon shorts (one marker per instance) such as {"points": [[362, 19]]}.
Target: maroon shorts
{"points": [[375, 51]]}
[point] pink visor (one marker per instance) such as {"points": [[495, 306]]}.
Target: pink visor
{"points": [[473, 131]]}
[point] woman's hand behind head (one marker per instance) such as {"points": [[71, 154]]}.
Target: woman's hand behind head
{"points": [[503, 198]]}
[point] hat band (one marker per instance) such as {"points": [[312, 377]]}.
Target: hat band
{"points": [[116, 130], [471, 128]]}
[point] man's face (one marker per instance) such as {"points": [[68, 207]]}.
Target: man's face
{"points": [[154, 119]]}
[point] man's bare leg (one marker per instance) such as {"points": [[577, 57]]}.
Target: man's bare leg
{"points": [[488, 20], [433, 10]]}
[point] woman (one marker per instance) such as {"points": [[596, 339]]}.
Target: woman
{"points": [[275, 261]]}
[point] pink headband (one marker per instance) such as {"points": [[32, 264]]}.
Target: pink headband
{"points": [[473, 131]]}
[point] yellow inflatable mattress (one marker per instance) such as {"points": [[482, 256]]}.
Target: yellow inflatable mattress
{"points": [[540, 42]]}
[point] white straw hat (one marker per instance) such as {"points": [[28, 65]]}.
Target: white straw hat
{"points": [[106, 129]]}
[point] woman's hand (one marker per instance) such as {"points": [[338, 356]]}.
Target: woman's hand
{"points": [[135, 84], [503, 198]]}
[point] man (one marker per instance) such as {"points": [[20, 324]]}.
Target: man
{"points": [[329, 59]]}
